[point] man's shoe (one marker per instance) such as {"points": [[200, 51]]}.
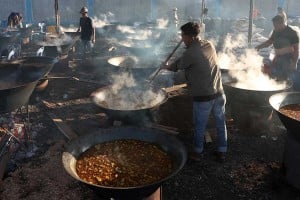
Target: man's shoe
{"points": [[220, 156], [196, 156]]}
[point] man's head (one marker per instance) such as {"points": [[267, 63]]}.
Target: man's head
{"points": [[279, 9], [84, 10], [189, 32], [278, 23]]}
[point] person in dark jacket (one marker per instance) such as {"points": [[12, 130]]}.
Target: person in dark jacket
{"points": [[87, 30], [204, 83]]}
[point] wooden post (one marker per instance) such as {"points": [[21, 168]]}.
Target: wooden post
{"points": [[250, 23], [202, 11], [57, 19]]}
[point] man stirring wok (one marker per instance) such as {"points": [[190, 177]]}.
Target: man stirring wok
{"points": [[203, 76], [285, 41]]}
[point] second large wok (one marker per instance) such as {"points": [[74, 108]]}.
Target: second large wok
{"points": [[249, 106], [19, 78], [169, 143], [133, 62], [139, 68]]}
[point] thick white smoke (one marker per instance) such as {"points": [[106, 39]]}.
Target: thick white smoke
{"points": [[245, 65]]}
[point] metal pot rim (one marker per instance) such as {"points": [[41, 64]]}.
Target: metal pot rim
{"points": [[107, 88]]}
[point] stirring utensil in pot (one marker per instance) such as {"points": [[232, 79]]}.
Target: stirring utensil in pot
{"points": [[156, 72]]}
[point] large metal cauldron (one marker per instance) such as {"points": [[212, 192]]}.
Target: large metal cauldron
{"points": [[169, 143], [72, 34], [250, 108], [5, 41], [19, 78], [58, 45], [133, 62], [139, 48], [138, 67], [129, 104], [141, 68], [291, 158], [282, 99]]}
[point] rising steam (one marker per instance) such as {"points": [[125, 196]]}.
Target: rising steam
{"points": [[245, 65], [126, 94]]}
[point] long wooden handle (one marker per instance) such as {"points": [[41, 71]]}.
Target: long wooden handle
{"points": [[172, 53], [154, 74]]}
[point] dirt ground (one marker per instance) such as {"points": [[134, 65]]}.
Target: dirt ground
{"points": [[251, 171]]}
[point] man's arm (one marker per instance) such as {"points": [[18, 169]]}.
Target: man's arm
{"points": [[94, 35], [295, 56], [79, 26], [94, 31], [265, 44]]}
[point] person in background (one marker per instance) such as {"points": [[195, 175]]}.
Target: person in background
{"points": [[204, 83], [285, 41], [256, 14], [14, 20], [87, 30], [175, 17], [281, 12]]}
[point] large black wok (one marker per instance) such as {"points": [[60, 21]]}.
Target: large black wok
{"points": [[249, 95], [133, 62], [140, 68], [129, 104], [169, 143], [249, 107], [5, 40], [19, 78], [72, 34], [58, 45], [282, 99], [139, 48]]}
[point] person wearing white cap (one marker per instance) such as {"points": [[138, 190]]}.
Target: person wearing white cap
{"points": [[87, 30]]}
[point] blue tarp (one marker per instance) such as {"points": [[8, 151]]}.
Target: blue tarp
{"points": [[28, 11], [90, 5], [281, 3]]}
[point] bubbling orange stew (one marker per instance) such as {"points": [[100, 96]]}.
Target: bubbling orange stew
{"points": [[124, 163], [291, 110]]}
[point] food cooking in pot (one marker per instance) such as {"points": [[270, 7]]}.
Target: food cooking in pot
{"points": [[124, 163], [128, 98], [291, 110]]}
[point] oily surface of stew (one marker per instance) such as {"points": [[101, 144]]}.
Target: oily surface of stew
{"points": [[292, 111], [124, 163]]}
